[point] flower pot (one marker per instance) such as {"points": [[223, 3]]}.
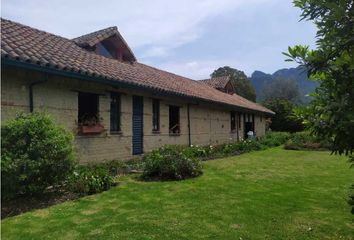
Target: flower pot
{"points": [[92, 129]]}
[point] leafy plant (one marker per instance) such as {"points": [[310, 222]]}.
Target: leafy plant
{"points": [[170, 163], [305, 140], [36, 154], [90, 180], [285, 119], [331, 113]]}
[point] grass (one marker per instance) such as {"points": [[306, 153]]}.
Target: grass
{"points": [[272, 194]]}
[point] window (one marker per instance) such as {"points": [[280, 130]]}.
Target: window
{"points": [[115, 112], [88, 109], [102, 50], [155, 115], [174, 125], [233, 121]]}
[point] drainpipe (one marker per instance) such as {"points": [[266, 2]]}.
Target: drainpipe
{"points": [[237, 127], [31, 91], [189, 126]]}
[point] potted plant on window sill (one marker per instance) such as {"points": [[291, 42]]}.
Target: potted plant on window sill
{"points": [[90, 126]]}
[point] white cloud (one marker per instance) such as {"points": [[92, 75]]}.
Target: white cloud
{"points": [[199, 69], [158, 25]]}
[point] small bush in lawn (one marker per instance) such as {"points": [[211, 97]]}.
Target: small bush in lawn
{"points": [[36, 154], [304, 140], [90, 180], [170, 163], [273, 139]]}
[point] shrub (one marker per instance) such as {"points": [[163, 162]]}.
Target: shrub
{"points": [[116, 167], [171, 163], [304, 140], [273, 139], [36, 154], [90, 180]]}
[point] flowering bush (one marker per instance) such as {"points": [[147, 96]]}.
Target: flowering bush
{"points": [[90, 180], [172, 162]]}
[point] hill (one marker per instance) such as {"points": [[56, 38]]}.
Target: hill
{"points": [[259, 79]]}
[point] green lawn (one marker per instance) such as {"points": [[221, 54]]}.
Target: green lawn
{"points": [[272, 194]]}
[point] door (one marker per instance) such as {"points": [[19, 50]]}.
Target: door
{"points": [[248, 124], [137, 125]]}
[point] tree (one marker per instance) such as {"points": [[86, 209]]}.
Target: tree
{"points": [[282, 88], [331, 113], [284, 120], [239, 80]]}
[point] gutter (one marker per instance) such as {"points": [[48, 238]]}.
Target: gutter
{"points": [[189, 126], [31, 91], [115, 83]]}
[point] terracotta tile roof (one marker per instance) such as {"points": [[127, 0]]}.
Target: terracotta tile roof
{"points": [[217, 82], [93, 38], [24, 44]]}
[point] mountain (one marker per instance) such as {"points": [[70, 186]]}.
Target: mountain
{"points": [[259, 79]]}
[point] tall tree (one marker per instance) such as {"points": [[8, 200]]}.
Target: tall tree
{"points": [[331, 114], [282, 88], [239, 80]]}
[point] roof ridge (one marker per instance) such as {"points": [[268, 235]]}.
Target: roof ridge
{"points": [[96, 32]]}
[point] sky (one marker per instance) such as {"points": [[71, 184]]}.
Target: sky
{"points": [[191, 38]]}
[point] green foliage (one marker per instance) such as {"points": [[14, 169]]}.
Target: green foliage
{"points": [[36, 154], [284, 120], [239, 80], [180, 162], [274, 194], [305, 140], [282, 89], [117, 167], [274, 139], [170, 163], [331, 113], [90, 180]]}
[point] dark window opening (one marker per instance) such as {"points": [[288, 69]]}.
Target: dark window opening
{"points": [[239, 120], [88, 109], [174, 125], [233, 121], [156, 115], [102, 50], [115, 112]]}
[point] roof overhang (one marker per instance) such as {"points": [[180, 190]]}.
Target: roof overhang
{"points": [[122, 84]]}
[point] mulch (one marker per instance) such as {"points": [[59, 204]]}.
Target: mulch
{"points": [[21, 205]]}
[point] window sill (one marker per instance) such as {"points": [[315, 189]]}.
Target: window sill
{"points": [[233, 131], [116, 133], [156, 131], [175, 134]]}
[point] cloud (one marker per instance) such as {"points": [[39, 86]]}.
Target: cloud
{"points": [[187, 37], [199, 69], [158, 26]]}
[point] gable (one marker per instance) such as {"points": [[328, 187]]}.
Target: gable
{"points": [[108, 43]]}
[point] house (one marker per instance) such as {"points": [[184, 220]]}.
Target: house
{"points": [[116, 107], [222, 83]]}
